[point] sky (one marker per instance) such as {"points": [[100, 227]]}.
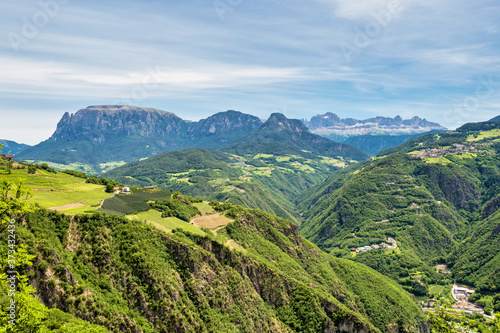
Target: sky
{"points": [[436, 59]]}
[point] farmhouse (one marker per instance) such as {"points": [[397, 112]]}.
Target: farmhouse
{"points": [[8, 157]]}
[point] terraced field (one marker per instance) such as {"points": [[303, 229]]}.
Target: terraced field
{"points": [[60, 191]]}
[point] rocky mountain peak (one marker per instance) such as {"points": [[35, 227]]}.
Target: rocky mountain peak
{"points": [[227, 122], [278, 121]]}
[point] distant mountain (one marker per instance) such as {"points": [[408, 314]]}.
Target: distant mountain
{"points": [[280, 135], [497, 118], [332, 126], [11, 147], [111, 133]]}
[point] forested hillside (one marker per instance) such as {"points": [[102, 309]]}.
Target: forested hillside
{"points": [[436, 195], [265, 181], [256, 274]]}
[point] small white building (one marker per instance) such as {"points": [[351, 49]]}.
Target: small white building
{"points": [[125, 189]]}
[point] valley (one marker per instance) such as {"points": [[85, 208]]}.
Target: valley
{"points": [[282, 216]]}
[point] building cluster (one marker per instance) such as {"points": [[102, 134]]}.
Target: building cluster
{"points": [[124, 189], [382, 246], [461, 294], [457, 148]]}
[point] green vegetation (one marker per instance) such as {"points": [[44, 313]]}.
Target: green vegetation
{"points": [[176, 207], [120, 274], [438, 212], [271, 184], [20, 310], [137, 201], [168, 224], [446, 320], [60, 190]]}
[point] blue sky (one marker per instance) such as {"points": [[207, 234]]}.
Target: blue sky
{"points": [[438, 59]]}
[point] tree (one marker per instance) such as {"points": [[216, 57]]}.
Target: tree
{"points": [[29, 312], [109, 188], [31, 169]]}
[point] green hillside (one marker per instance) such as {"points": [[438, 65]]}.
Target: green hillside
{"points": [[59, 191], [436, 195], [126, 275], [265, 181], [242, 271]]}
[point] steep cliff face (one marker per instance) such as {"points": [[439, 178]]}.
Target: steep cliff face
{"points": [[103, 123], [111, 133], [222, 128]]}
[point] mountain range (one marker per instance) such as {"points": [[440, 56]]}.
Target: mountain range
{"points": [[102, 134], [98, 135], [265, 169], [99, 138], [332, 126]]}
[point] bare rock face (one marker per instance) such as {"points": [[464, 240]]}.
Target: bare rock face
{"points": [[113, 133], [101, 123]]}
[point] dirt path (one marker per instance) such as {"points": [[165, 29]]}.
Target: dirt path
{"points": [[69, 206]]}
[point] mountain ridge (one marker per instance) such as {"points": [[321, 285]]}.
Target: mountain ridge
{"points": [[330, 123], [12, 147], [290, 136], [116, 133]]}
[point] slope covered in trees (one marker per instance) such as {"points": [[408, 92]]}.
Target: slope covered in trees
{"points": [[437, 195], [265, 181], [125, 275]]}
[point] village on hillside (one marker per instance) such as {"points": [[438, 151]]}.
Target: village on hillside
{"points": [[382, 246], [457, 148]]}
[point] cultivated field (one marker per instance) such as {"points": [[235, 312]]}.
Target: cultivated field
{"points": [[60, 191], [213, 221]]}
